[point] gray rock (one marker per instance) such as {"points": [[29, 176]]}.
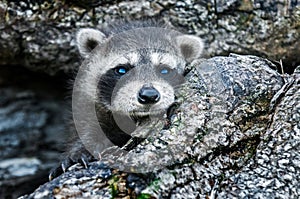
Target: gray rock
{"points": [[235, 134], [39, 35], [32, 130]]}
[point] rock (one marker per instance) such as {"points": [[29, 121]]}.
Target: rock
{"points": [[32, 130], [40, 35], [235, 134]]}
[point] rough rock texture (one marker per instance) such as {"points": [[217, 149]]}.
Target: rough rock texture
{"points": [[40, 34], [31, 124], [236, 134]]}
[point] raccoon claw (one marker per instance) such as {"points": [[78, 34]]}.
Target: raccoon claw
{"points": [[66, 163], [56, 171], [85, 160]]}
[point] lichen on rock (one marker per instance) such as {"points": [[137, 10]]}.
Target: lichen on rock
{"points": [[220, 140]]}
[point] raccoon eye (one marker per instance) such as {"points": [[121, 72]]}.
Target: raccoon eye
{"points": [[121, 70], [164, 71]]}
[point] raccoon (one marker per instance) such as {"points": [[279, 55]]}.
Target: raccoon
{"points": [[133, 70]]}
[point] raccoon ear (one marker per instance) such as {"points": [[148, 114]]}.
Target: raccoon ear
{"points": [[87, 39], [191, 47]]}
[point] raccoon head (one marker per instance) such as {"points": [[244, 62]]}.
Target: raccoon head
{"points": [[139, 70]]}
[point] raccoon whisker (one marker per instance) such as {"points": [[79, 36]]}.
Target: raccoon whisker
{"points": [[132, 116]]}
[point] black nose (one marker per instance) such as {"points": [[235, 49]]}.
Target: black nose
{"points": [[148, 95]]}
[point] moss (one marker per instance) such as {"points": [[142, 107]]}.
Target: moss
{"points": [[144, 196], [155, 184], [113, 185]]}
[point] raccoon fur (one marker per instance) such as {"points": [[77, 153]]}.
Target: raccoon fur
{"points": [[136, 67]]}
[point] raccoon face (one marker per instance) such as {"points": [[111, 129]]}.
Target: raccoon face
{"points": [[140, 82], [142, 86]]}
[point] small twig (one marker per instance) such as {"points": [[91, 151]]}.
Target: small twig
{"points": [[281, 66]]}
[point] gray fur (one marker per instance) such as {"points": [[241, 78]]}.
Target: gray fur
{"points": [[144, 45]]}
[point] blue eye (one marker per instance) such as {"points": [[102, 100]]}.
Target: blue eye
{"points": [[121, 70], [164, 71]]}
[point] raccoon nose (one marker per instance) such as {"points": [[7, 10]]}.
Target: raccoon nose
{"points": [[148, 95]]}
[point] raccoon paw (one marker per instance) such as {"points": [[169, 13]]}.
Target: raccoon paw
{"points": [[84, 158]]}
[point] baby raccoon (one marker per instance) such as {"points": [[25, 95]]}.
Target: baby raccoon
{"points": [[130, 69]]}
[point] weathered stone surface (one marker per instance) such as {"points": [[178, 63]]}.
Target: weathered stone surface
{"points": [[31, 130], [274, 172], [235, 134], [40, 34]]}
